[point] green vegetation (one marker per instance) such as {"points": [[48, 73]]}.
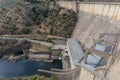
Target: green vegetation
{"points": [[52, 31], [32, 1], [12, 28], [38, 17], [27, 22], [49, 40], [53, 78], [26, 30], [36, 77], [50, 48], [53, 16], [38, 1]]}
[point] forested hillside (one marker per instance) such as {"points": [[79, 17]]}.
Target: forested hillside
{"points": [[41, 17]]}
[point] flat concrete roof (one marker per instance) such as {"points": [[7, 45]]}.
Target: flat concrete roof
{"points": [[76, 50]]}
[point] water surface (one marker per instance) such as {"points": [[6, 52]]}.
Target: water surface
{"points": [[25, 67]]}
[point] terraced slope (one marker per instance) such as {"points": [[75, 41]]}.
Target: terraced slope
{"points": [[10, 17], [90, 26]]}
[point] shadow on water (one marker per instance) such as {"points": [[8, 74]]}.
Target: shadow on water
{"points": [[25, 67]]}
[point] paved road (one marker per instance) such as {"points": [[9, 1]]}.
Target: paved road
{"points": [[26, 39]]}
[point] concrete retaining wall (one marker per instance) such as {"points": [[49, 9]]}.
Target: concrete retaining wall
{"points": [[110, 10]]}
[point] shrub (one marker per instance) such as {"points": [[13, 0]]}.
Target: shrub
{"points": [[49, 40], [13, 28], [37, 22], [52, 31], [26, 30], [53, 78], [27, 22]]}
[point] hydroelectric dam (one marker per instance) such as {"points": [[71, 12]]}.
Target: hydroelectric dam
{"points": [[98, 29]]}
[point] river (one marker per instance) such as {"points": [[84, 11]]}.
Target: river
{"points": [[25, 67]]}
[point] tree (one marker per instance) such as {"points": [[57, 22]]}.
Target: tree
{"points": [[27, 22], [13, 28], [52, 31], [33, 1], [26, 30], [53, 78]]}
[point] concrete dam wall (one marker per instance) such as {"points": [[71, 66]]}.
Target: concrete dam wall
{"points": [[94, 18], [110, 10], [106, 9], [90, 26]]}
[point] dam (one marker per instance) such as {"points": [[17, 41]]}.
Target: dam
{"points": [[90, 53], [96, 38]]}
